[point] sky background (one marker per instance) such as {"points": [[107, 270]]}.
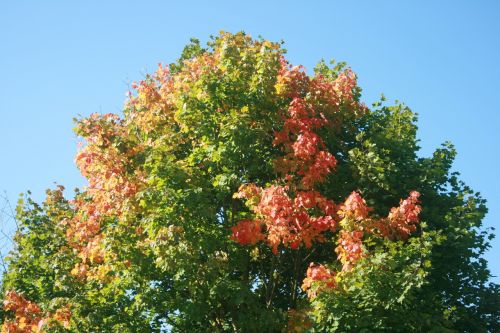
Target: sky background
{"points": [[62, 59]]}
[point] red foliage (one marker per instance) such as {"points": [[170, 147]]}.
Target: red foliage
{"points": [[350, 248], [306, 145], [322, 165], [403, 219], [318, 274], [247, 232], [287, 221]]}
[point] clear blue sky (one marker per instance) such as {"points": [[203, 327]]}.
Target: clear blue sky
{"points": [[60, 59]]}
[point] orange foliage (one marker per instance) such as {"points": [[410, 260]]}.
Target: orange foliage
{"points": [[28, 317]]}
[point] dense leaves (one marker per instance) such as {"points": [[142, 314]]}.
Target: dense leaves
{"points": [[238, 193]]}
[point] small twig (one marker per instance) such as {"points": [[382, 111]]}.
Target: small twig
{"points": [[310, 253]]}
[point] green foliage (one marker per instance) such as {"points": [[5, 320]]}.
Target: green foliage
{"points": [[381, 293]]}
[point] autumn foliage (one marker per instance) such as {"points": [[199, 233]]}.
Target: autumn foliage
{"points": [[28, 315], [239, 193]]}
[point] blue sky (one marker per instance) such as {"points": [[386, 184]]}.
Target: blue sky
{"points": [[61, 59]]}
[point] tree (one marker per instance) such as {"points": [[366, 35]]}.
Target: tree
{"points": [[238, 193]]}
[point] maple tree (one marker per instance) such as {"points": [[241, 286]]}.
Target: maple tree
{"points": [[239, 193]]}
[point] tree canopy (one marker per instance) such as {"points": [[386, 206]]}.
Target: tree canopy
{"points": [[238, 193]]}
